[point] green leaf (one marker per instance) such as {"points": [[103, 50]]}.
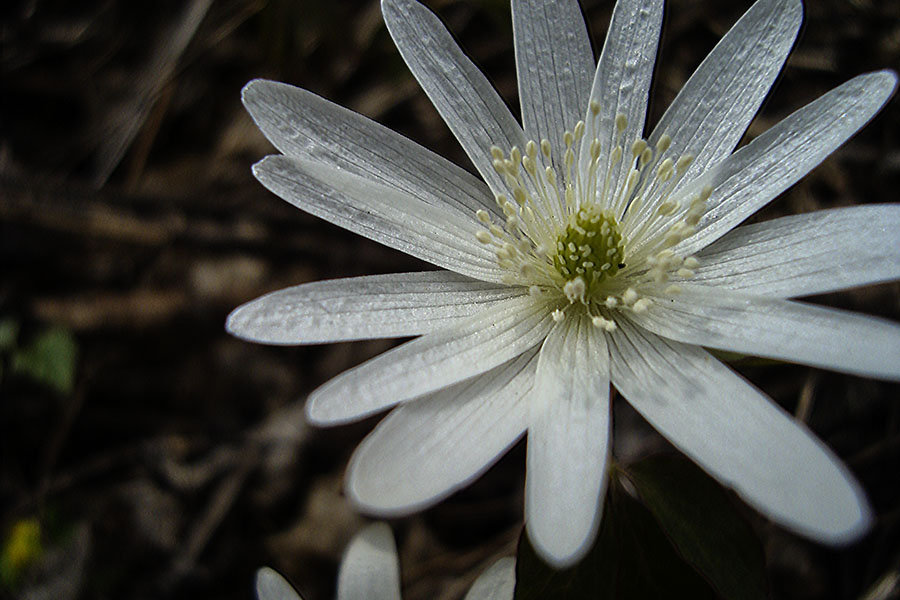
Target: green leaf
{"points": [[702, 522], [632, 559], [49, 358], [9, 332]]}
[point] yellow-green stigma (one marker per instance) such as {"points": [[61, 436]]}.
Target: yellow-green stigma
{"points": [[590, 248]]}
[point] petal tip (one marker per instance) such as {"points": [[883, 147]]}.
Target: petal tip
{"points": [[850, 530], [251, 89], [272, 586], [375, 503], [557, 549]]}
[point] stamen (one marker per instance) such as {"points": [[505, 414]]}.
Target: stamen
{"points": [[563, 219]]}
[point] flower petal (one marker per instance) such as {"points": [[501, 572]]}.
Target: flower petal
{"points": [[369, 569], [738, 435], [755, 174], [356, 308], [427, 449], [622, 82], [272, 586], [720, 99], [380, 213], [555, 65], [304, 125], [463, 96], [498, 582], [432, 362], [807, 254], [568, 442], [711, 112], [773, 328]]}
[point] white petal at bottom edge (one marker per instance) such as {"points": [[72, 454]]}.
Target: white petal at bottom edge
{"points": [[498, 582], [427, 364], [369, 569], [738, 435], [272, 586], [568, 442], [427, 449]]}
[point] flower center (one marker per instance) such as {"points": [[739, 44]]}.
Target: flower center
{"points": [[590, 248], [569, 225]]}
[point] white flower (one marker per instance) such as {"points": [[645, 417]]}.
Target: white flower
{"points": [[588, 256], [370, 571]]}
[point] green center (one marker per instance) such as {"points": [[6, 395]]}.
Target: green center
{"points": [[590, 248]]}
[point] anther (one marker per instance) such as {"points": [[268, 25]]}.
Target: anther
{"points": [[663, 143], [638, 147], [545, 147], [641, 305]]}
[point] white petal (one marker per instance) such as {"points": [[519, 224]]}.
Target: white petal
{"points": [[380, 213], [711, 112], [427, 449], [356, 308], [272, 586], [432, 362], [622, 82], [568, 442], [738, 435], [498, 582], [713, 109], [463, 96], [369, 569], [755, 174], [304, 125], [555, 66], [807, 254], [774, 328]]}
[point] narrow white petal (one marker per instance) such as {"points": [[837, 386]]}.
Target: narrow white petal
{"points": [[386, 215], [711, 112], [755, 174], [432, 362], [622, 82], [738, 435], [427, 449], [498, 582], [568, 442], [356, 308], [463, 96], [302, 124], [272, 586], [369, 569], [807, 254], [774, 328], [555, 66]]}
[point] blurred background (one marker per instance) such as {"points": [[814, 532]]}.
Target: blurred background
{"points": [[144, 453]]}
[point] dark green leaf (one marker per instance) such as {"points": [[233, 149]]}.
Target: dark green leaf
{"points": [[701, 520], [632, 559], [49, 358]]}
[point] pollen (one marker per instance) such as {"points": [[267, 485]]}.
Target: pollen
{"points": [[590, 249]]}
